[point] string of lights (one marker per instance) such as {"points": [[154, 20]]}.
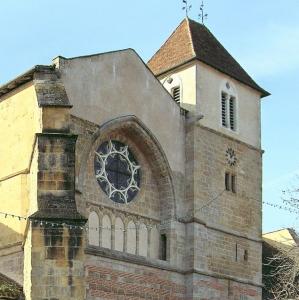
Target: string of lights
{"points": [[48, 223], [282, 207]]}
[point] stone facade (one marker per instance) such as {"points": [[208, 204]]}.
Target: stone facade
{"points": [[193, 230]]}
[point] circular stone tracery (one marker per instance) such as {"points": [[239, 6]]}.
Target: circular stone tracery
{"points": [[231, 157], [117, 171]]}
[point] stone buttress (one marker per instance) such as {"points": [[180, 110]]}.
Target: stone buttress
{"points": [[55, 240]]}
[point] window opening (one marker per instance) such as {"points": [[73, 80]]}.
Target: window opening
{"points": [[163, 247], [176, 94], [230, 182], [228, 111], [246, 255], [223, 109], [233, 183], [227, 182], [232, 117]]}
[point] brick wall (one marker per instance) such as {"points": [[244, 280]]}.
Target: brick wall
{"points": [[201, 287], [118, 280]]}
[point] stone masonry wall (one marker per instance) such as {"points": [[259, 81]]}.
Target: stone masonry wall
{"points": [[57, 263], [216, 241], [223, 227], [239, 212], [155, 194], [201, 287], [116, 279], [154, 203]]}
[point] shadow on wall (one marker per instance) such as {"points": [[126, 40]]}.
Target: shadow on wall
{"points": [[8, 236], [11, 254]]}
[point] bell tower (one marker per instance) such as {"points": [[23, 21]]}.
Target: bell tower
{"points": [[223, 184]]}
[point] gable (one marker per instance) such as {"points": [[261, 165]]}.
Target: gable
{"points": [[107, 86]]}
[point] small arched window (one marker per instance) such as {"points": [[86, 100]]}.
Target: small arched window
{"points": [[93, 232], [143, 235], [228, 107], [131, 238], [106, 232], [154, 243], [119, 234]]}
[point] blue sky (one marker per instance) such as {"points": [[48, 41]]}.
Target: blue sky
{"points": [[263, 35]]}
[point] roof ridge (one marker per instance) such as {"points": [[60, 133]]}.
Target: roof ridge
{"points": [[169, 38], [190, 36], [253, 84]]}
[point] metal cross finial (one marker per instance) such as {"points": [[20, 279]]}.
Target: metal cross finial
{"points": [[202, 14], [186, 7]]}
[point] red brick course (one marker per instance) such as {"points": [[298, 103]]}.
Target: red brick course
{"points": [[111, 284]]}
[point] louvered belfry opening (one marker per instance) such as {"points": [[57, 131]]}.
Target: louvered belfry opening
{"points": [[232, 113], [176, 94], [228, 111], [223, 109]]}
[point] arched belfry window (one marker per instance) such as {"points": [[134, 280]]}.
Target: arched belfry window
{"points": [[228, 98], [176, 93], [173, 85]]}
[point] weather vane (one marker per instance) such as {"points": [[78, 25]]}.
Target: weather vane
{"points": [[202, 14], [186, 7]]}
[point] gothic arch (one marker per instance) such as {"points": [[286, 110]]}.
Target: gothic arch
{"points": [[134, 129]]}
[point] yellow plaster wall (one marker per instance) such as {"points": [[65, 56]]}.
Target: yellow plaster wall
{"points": [[20, 119], [281, 236], [13, 201]]}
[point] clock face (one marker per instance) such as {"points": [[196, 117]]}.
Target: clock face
{"points": [[117, 171], [231, 157]]}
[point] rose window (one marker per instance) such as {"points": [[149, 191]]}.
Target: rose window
{"points": [[117, 171]]}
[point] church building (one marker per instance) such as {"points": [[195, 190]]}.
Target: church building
{"points": [[122, 179]]}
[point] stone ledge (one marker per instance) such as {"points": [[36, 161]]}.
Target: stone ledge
{"points": [[238, 235], [223, 277], [59, 217], [261, 151], [131, 258], [143, 261]]}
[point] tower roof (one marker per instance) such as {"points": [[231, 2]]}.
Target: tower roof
{"points": [[193, 41]]}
